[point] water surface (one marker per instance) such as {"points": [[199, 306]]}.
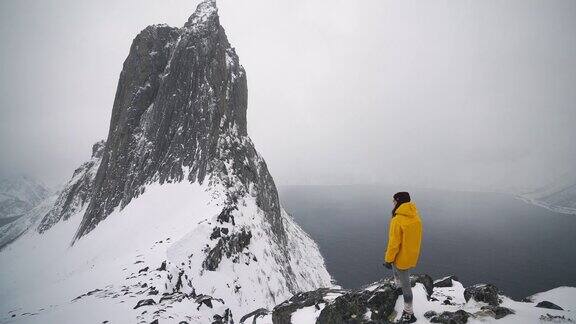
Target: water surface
{"points": [[479, 237]]}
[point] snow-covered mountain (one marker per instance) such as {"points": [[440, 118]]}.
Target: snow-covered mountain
{"points": [[558, 195], [19, 194], [175, 217]]}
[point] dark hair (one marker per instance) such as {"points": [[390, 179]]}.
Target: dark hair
{"points": [[400, 197]]}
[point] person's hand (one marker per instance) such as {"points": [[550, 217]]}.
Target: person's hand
{"points": [[388, 265]]}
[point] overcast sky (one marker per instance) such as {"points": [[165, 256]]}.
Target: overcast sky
{"points": [[470, 95]]}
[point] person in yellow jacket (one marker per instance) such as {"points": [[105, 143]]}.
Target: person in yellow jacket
{"points": [[404, 238]]}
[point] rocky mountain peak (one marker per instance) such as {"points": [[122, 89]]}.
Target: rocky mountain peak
{"points": [[180, 114], [206, 13]]}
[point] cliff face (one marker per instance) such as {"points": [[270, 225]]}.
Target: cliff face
{"points": [[180, 114]]}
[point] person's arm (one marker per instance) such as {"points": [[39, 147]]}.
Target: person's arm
{"points": [[394, 241]]}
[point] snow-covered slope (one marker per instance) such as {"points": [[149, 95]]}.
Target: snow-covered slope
{"points": [[60, 205], [155, 249], [19, 194], [175, 217], [559, 195]]}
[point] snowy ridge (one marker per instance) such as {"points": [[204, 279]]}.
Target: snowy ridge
{"points": [[115, 266]]}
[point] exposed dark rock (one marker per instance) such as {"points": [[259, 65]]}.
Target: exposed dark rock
{"points": [[153, 291], [215, 233], [206, 300], [179, 281], [549, 305], [154, 321], [145, 302], [351, 306], [283, 312], [225, 318], [487, 293], [457, 317], [498, 311], [143, 270], [260, 312], [445, 282], [227, 245], [555, 318], [162, 266], [174, 297], [226, 216]]}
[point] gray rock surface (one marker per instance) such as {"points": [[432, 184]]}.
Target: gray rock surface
{"points": [[350, 306], [487, 293], [549, 305]]}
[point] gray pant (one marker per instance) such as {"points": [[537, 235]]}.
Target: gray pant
{"points": [[403, 276]]}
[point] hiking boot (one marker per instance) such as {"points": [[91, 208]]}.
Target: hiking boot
{"points": [[406, 318]]}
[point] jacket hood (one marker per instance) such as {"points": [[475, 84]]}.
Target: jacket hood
{"points": [[407, 209]]}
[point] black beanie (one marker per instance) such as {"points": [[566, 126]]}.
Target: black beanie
{"points": [[402, 197]]}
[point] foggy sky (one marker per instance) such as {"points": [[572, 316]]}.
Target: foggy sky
{"points": [[470, 95]]}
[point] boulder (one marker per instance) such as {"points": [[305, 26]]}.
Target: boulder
{"points": [[351, 307], [549, 305], [487, 293], [457, 317], [497, 311]]}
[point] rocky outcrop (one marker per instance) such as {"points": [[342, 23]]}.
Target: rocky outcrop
{"points": [[378, 303], [282, 313], [447, 317], [229, 246], [487, 293], [549, 305]]}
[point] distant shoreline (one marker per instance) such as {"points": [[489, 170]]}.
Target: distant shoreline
{"points": [[557, 209]]}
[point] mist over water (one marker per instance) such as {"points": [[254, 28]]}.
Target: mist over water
{"points": [[480, 237]]}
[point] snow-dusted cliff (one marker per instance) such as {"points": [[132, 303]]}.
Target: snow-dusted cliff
{"points": [[175, 217]]}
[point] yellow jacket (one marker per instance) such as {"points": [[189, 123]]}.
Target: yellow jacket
{"points": [[404, 237]]}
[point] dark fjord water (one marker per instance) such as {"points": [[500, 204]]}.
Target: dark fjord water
{"points": [[480, 237]]}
